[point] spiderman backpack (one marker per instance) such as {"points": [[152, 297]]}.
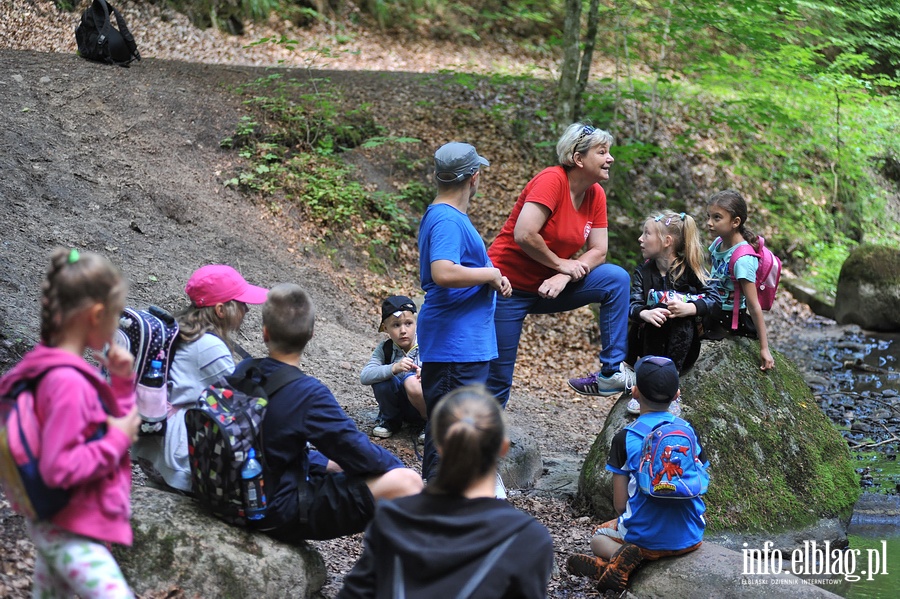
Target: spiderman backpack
{"points": [[670, 464]]}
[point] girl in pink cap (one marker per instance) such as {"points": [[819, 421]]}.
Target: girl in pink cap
{"points": [[204, 353]]}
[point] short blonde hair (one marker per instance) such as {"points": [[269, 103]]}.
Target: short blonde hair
{"points": [[580, 137]]}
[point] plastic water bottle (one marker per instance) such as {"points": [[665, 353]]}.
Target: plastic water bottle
{"points": [[254, 493], [154, 376]]}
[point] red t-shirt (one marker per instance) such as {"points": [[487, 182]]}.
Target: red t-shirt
{"points": [[565, 232]]}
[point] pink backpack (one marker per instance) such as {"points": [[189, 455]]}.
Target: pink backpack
{"points": [[767, 277]]}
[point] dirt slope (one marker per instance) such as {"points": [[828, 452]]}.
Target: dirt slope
{"points": [[126, 162]]}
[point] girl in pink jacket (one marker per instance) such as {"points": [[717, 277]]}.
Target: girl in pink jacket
{"points": [[87, 426]]}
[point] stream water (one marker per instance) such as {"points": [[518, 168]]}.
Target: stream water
{"points": [[855, 375]]}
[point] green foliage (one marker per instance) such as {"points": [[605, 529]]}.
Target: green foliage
{"points": [[290, 142]]}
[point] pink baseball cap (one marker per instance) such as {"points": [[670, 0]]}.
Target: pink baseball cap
{"points": [[217, 283]]}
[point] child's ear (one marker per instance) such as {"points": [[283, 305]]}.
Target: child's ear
{"points": [[635, 393], [265, 334], [220, 311], [95, 313]]}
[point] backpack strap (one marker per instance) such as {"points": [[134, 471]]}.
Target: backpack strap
{"points": [[739, 252], [271, 384], [485, 567], [387, 350], [399, 590], [126, 35], [282, 377]]}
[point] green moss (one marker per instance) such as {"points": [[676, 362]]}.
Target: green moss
{"points": [[806, 474], [877, 264]]}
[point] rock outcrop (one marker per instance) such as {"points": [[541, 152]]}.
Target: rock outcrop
{"points": [[178, 545], [868, 290], [776, 462], [714, 571]]}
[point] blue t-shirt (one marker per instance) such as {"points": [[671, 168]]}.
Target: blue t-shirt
{"points": [[455, 324], [744, 269], [659, 524]]}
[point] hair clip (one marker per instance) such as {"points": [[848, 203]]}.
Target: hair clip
{"points": [[73, 256]]}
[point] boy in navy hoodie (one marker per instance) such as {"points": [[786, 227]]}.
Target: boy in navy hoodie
{"points": [[307, 499]]}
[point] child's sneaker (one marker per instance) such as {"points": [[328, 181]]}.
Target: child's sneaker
{"points": [[675, 408], [597, 384], [591, 566], [623, 562], [421, 438], [633, 407], [383, 430]]}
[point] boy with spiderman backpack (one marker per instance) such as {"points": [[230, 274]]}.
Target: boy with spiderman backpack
{"points": [[659, 474]]}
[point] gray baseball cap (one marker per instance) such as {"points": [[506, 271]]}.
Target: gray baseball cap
{"points": [[455, 161]]}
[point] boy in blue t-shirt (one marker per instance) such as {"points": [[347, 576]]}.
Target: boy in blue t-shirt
{"points": [[456, 322], [647, 528]]}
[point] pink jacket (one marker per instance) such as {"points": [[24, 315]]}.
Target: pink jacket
{"points": [[97, 473]]}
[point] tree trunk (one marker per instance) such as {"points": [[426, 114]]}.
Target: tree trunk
{"points": [[590, 41], [565, 95]]}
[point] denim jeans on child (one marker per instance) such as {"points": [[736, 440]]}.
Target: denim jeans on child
{"points": [[608, 285], [393, 402]]}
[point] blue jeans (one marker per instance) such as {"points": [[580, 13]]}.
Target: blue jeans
{"points": [[439, 379], [393, 403], [608, 285]]}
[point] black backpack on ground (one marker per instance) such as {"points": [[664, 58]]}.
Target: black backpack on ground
{"points": [[98, 40]]}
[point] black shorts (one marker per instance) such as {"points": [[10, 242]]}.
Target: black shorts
{"points": [[331, 506]]}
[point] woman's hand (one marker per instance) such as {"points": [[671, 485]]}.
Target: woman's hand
{"points": [[128, 424], [657, 316], [553, 286], [678, 309], [403, 365], [575, 269]]}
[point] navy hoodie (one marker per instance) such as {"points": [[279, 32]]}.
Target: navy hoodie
{"points": [[442, 540]]}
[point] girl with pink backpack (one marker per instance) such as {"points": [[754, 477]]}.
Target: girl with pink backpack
{"points": [[746, 271]]}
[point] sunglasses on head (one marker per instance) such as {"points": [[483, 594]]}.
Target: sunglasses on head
{"points": [[585, 131]]}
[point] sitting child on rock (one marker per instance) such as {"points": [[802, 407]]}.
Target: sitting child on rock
{"points": [[393, 371], [661, 514], [306, 501]]}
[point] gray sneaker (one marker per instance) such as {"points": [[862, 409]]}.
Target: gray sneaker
{"points": [[597, 384]]}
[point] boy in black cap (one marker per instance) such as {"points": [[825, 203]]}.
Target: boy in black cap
{"points": [[393, 369], [648, 528], [460, 283]]}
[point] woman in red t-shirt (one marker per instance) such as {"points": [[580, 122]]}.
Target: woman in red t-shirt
{"points": [[560, 211]]}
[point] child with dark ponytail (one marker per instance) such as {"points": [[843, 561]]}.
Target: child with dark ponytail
{"points": [[727, 218], [86, 427], [456, 538]]}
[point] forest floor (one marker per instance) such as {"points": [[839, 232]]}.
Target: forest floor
{"points": [[127, 162]]}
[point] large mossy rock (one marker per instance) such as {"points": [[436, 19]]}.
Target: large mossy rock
{"points": [[776, 461], [868, 290], [178, 545]]}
